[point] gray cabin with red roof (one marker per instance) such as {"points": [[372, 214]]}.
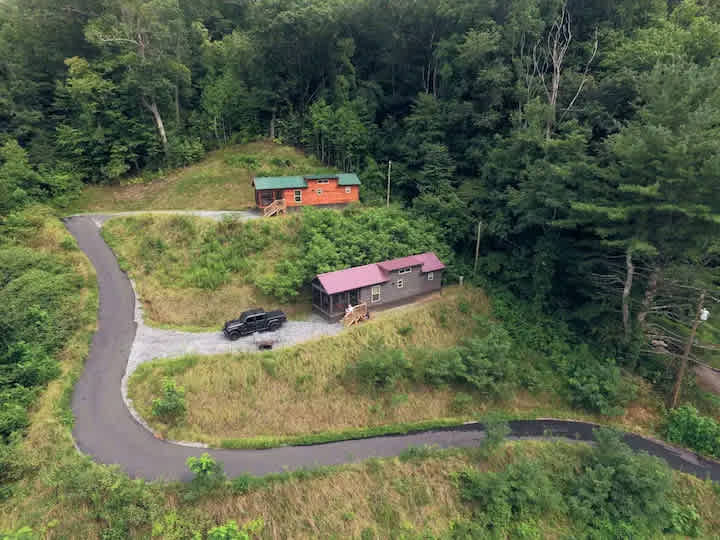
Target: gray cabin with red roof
{"points": [[383, 283]]}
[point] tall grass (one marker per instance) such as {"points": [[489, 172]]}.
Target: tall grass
{"points": [[197, 273]]}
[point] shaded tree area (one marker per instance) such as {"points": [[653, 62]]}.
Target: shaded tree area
{"points": [[582, 135]]}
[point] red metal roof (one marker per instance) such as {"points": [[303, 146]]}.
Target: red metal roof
{"points": [[372, 274]]}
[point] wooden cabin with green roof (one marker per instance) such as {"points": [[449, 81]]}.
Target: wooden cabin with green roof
{"points": [[310, 189]]}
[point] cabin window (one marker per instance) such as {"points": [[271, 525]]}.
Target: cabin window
{"points": [[323, 181], [375, 294], [431, 276], [348, 190], [404, 270], [400, 283], [319, 191], [298, 196]]}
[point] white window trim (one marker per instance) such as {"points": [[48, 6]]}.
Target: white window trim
{"points": [[323, 181], [405, 270], [298, 196], [372, 294], [400, 283], [348, 190], [431, 276]]}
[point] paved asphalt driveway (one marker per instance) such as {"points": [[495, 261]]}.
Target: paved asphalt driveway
{"points": [[105, 430]]}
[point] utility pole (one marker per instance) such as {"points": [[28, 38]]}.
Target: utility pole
{"points": [[388, 186], [686, 353], [477, 247]]}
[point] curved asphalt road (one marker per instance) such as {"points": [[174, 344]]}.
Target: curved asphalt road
{"points": [[105, 430]]}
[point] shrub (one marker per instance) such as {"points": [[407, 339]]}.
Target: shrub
{"points": [[685, 521], [406, 331], [461, 402], [231, 531], [380, 367], [242, 160], [205, 467], [489, 365], [597, 386], [241, 484], [523, 490], [620, 494], [687, 427], [184, 151], [170, 406], [495, 433]]}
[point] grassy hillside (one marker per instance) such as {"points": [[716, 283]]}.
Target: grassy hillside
{"points": [[61, 494], [308, 393], [222, 181], [299, 391], [194, 273]]}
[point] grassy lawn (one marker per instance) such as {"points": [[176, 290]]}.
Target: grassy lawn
{"points": [[195, 273], [300, 394], [222, 181]]}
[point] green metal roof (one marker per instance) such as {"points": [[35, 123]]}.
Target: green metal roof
{"points": [[279, 182], [348, 179], [296, 182]]}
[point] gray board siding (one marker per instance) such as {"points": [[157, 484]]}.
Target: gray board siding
{"points": [[414, 283]]}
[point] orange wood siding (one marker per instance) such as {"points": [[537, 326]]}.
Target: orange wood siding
{"points": [[331, 194]]}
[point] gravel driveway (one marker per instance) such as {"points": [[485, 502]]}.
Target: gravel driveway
{"points": [[218, 215], [151, 343]]}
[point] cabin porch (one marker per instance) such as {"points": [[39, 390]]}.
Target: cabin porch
{"points": [[333, 305]]}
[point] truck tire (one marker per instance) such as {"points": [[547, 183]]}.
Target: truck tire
{"points": [[274, 325], [234, 336]]}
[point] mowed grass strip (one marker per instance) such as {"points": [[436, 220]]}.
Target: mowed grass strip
{"points": [[300, 390], [194, 273], [221, 181]]}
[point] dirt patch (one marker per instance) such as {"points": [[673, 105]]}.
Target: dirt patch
{"points": [[708, 379]]}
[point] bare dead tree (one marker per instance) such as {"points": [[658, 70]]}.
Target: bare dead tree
{"points": [[627, 289], [548, 56]]}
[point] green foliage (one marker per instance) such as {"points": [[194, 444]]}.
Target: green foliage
{"points": [[610, 493], [687, 427], [495, 433], [620, 493], [332, 240], [119, 504], [205, 467], [38, 313], [231, 531], [597, 386], [521, 492], [170, 406], [484, 363], [380, 367], [23, 533]]}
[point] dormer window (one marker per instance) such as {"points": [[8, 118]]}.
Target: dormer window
{"points": [[405, 270], [323, 181]]}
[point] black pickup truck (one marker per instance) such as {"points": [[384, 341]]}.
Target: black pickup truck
{"points": [[253, 320]]}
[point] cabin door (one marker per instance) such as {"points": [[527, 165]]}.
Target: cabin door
{"points": [[353, 298], [278, 195]]}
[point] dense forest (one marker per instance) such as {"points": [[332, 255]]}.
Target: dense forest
{"points": [[578, 139]]}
